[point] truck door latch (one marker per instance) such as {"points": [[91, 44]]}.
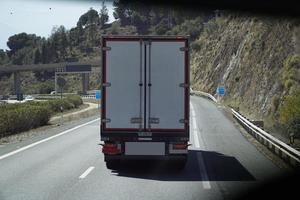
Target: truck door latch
{"points": [[153, 120], [105, 120], [106, 48], [183, 121], [184, 85], [184, 49], [136, 120]]}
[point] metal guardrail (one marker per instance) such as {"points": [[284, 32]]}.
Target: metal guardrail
{"points": [[92, 96], [47, 97], [89, 96], [207, 95], [281, 149], [55, 96], [287, 153]]}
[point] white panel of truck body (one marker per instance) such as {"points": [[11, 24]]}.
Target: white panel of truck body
{"points": [[123, 72], [166, 70], [144, 148]]}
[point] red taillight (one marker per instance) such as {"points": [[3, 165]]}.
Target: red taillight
{"points": [[111, 149], [179, 146]]}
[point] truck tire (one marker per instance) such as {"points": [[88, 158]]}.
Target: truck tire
{"points": [[113, 164]]}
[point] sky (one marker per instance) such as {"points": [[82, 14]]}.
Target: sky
{"points": [[40, 16]]}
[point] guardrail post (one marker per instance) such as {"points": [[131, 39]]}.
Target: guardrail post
{"points": [[292, 140]]}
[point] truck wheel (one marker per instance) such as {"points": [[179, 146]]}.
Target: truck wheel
{"points": [[113, 164]]}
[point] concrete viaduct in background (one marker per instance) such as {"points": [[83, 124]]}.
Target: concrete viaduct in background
{"points": [[82, 67]]}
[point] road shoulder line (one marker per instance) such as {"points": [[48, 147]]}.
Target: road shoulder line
{"points": [[203, 172], [45, 140]]}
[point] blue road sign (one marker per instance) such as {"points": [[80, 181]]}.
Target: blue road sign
{"points": [[98, 94], [221, 90]]}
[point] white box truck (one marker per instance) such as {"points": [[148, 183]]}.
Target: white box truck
{"points": [[145, 98]]}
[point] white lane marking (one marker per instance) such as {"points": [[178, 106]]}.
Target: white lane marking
{"points": [[82, 176], [45, 140], [195, 127], [203, 172]]}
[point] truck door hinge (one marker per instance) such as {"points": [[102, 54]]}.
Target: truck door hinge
{"points": [[153, 120], [136, 120], [184, 49], [105, 120], [183, 121], [106, 48], [107, 84], [184, 85]]}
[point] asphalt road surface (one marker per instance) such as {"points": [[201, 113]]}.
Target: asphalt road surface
{"points": [[70, 166]]}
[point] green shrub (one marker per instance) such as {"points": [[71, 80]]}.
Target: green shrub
{"points": [[189, 27], [46, 87], [290, 114], [15, 118], [291, 71], [75, 100], [55, 105], [288, 83]]}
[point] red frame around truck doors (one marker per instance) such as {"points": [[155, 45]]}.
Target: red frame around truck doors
{"points": [[186, 81]]}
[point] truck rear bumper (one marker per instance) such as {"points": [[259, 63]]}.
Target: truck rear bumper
{"points": [[137, 136], [148, 157]]}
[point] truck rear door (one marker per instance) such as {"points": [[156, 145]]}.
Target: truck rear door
{"points": [[123, 91], [166, 80]]}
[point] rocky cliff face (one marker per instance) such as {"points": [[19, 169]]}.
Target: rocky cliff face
{"points": [[248, 55]]}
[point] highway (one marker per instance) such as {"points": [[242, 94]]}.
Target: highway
{"points": [[69, 166]]}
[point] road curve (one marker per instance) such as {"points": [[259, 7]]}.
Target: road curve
{"points": [[221, 163]]}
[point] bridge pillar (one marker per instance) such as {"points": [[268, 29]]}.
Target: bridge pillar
{"points": [[55, 83], [85, 82], [17, 83]]}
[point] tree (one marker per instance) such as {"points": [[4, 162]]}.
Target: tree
{"points": [[74, 36], [37, 56], [18, 57], [59, 40], [44, 52], [161, 28], [91, 36], [88, 18], [140, 22], [21, 40], [103, 14], [3, 57]]}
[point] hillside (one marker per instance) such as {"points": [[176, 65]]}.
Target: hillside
{"points": [[256, 58]]}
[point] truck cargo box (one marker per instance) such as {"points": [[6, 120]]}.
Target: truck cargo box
{"points": [[145, 95]]}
